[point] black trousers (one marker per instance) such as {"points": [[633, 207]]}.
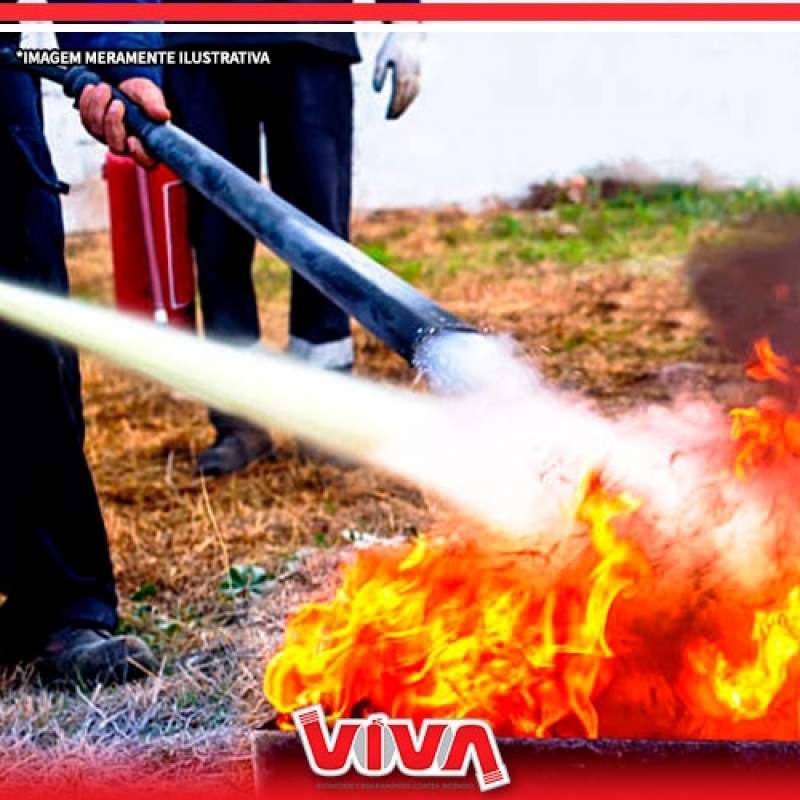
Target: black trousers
{"points": [[54, 559], [303, 101]]}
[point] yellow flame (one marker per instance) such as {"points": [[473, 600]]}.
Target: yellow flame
{"points": [[622, 564], [463, 629], [749, 691]]}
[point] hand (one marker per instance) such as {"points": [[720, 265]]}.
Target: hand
{"points": [[400, 52], [104, 118]]}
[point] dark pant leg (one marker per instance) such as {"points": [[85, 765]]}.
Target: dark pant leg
{"points": [[309, 124], [215, 105], [55, 566]]}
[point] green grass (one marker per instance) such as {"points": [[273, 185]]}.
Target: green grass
{"points": [[662, 220], [636, 225]]}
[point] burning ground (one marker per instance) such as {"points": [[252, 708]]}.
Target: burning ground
{"points": [[592, 289]]}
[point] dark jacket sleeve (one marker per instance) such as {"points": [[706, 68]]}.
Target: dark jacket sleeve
{"points": [[116, 40]]}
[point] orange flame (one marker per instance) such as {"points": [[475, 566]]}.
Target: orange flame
{"points": [[770, 433], [444, 631], [749, 691], [769, 366]]}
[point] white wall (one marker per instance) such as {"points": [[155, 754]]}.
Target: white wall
{"points": [[501, 110]]}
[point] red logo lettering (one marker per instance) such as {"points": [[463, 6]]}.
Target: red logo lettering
{"points": [[376, 746]]}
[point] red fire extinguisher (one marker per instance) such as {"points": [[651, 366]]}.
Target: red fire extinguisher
{"points": [[151, 254]]}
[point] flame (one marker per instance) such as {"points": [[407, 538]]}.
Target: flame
{"points": [[749, 691], [766, 435], [769, 433], [769, 366], [444, 630], [475, 626]]}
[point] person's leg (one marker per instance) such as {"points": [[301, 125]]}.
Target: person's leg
{"points": [[56, 569], [309, 151], [216, 106]]}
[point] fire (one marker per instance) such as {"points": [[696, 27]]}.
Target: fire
{"points": [[590, 645], [769, 366], [770, 433], [766, 435], [748, 691], [445, 630]]}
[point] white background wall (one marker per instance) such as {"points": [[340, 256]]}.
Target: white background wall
{"points": [[500, 110]]}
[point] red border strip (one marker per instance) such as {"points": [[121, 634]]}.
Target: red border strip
{"points": [[400, 12]]}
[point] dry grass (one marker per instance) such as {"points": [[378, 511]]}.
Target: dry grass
{"points": [[610, 331]]}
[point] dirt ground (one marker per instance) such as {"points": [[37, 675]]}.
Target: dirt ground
{"points": [[623, 334]]}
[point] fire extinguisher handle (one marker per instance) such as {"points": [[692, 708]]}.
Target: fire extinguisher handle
{"points": [[76, 79]]}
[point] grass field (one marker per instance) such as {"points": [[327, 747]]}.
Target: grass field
{"points": [[590, 285]]}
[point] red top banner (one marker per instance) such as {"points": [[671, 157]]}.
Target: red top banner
{"points": [[400, 12]]}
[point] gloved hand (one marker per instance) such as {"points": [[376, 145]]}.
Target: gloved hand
{"points": [[104, 117], [400, 52]]}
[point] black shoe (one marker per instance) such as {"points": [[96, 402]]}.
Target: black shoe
{"points": [[91, 656], [233, 450]]}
